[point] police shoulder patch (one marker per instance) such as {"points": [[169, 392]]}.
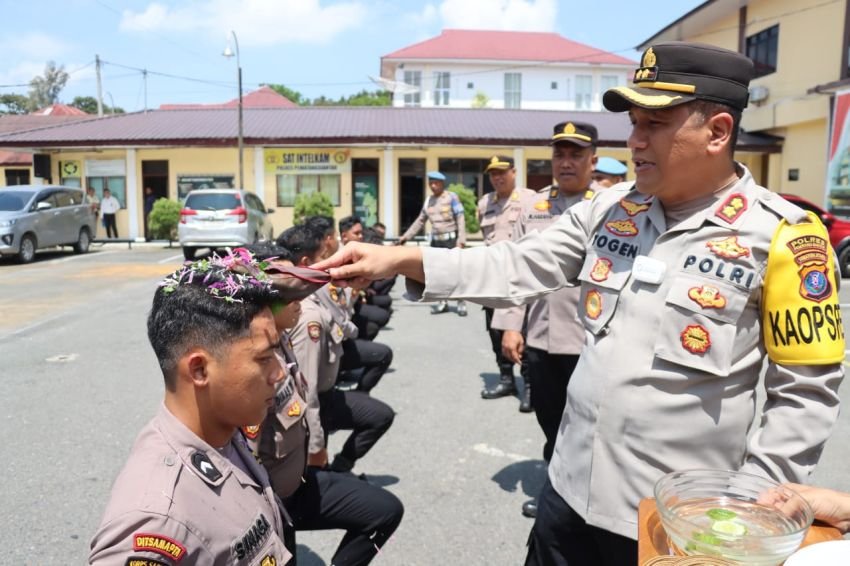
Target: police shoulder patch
{"points": [[801, 315], [732, 208], [314, 331], [159, 544], [143, 561]]}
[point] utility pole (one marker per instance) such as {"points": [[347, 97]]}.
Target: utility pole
{"points": [[145, 81], [99, 87]]}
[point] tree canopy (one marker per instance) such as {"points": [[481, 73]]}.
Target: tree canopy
{"points": [[88, 104], [362, 98]]}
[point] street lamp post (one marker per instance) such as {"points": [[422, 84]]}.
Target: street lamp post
{"points": [[228, 53]]}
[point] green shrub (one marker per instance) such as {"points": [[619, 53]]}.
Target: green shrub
{"points": [[313, 204], [470, 206], [163, 219]]}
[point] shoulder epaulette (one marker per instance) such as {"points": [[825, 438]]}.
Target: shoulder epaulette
{"points": [[787, 210]]}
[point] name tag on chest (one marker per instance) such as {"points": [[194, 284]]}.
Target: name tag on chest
{"points": [[648, 270]]}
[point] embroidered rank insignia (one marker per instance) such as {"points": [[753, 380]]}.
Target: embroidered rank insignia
{"points": [[314, 330], [695, 339], [159, 544], [339, 331], [707, 296], [294, 409], [514, 195], [733, 207], [632, 208], [593, 304], [601, 269], [268, 560], [588, 194], [728, 248], [625, 228], [553, 192], [251, 431], [543, 205], [203, 464], [334, 294]]}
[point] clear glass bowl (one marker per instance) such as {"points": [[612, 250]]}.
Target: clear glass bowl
{"points": [[740, 517]]}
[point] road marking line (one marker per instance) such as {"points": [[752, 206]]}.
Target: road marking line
{"points": [[493, 451], [170, 259]]}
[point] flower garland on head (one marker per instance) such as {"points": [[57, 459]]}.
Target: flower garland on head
{"points": [[227, 277]]}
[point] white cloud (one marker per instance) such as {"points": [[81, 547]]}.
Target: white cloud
{"points": [[426, 17], [34, 45], [516, 15], [256, 22]]}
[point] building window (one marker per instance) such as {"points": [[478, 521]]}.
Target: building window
{"points": [[290, 186], [762, 48], [441, 88], [513, 90], [607, 82], [413, 78], [584, 91], [116, 186]]}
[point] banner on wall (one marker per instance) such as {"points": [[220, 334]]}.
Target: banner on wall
{"points": [[366, 198], [71, 169], [838, 159], [307, 161]]}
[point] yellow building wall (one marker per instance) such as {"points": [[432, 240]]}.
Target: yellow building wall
{"points": [[805, 148], [723, 33]]}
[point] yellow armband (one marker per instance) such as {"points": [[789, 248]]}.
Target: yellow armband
{"points": [[801, 316]]}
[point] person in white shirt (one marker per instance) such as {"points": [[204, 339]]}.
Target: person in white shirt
{"points": [[109, 206]]}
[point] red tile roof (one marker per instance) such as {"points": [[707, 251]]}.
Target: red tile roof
{"points": [[264, 97], [506, 46], [60, 110]]}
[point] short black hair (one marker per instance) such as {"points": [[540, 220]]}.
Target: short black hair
{"points": [[324, 225], [185, 314], [377, 225], [301, 241], [371, 236], [349, 222], [269, 250], [707, 109]]}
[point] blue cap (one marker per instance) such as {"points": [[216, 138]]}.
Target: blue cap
{"points": [[610, 166], [436, 175]]}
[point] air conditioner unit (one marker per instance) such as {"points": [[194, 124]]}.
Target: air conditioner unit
{"points": [[759, 93]]}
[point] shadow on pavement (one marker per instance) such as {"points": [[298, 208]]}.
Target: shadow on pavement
{"points": [[529, 475], [381, 480], [306, 557]]}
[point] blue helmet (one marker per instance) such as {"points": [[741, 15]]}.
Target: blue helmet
{"points": [[437, 176], [610, 166]]}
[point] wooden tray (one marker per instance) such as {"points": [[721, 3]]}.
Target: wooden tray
{"points": [[652, 540]]}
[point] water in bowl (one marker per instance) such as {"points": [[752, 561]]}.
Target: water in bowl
{"points": [[734, 530]]}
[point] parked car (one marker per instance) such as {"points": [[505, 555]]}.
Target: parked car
{"points": [[839, 230], [41, 216], [218, 218]]}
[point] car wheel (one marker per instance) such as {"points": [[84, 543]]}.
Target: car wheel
{"points": [[83, 242], [189, 253], [844, 261], [28, 246]]}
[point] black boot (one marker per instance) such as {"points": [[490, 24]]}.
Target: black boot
{"points": [[525, 400], [529, 508], [504, 388]]}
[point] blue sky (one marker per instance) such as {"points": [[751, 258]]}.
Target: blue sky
{"points": [[318, 47]]}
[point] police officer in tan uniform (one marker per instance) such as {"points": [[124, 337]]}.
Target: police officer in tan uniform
{"points": [[316, 498], [191, 491], [498, 212], [317, 341], [553, 335], [448, 225], [693, 279]]}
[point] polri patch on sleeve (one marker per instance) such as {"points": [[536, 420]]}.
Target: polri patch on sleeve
{"points": [[801, 322], [314, 331], [202, 463]]}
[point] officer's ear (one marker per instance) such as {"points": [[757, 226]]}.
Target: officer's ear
{"points": [[195, 366], [720, 128]]}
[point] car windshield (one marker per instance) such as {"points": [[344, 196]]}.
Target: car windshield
{"points": [[13, 200], [213, 201]]}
